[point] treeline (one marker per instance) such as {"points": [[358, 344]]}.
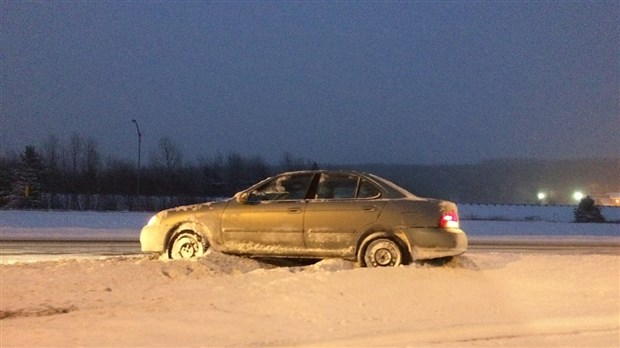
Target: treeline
{"points": [[507, 181], [74, 175]]}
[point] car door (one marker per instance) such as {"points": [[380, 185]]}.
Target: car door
{"points": [[270, 222], [344, 206]]}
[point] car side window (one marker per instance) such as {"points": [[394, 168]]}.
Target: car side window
{"points": [[285, 187], [368, 190], [337, 186]]}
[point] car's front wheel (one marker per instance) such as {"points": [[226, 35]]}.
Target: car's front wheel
{"points": [[186, 245], [383, 252]]}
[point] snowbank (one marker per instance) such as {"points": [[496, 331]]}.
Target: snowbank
{"points": [[480, 299]]}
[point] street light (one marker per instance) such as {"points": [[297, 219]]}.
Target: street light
{"points": [[139, 154], [542, 196], [578, 196]]}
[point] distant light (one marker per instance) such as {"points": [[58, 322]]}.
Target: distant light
{"points": [[578, 195], [541, 196]]}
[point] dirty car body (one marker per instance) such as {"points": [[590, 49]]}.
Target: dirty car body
{"points": [[313, 214]]}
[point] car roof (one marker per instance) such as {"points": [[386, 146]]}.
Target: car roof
{"points": [[391, 189], [316, 171]]}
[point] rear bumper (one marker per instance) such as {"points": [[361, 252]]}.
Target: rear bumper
{"points": [[430, 243]]}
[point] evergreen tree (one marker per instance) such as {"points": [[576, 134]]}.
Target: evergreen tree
{"points": [[6, 180], [26, 188], [587, 211]]}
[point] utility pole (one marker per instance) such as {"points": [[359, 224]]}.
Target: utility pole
{"points": [[139, 155]]}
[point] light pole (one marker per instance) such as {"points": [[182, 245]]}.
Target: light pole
{"points": [[139, 154]]}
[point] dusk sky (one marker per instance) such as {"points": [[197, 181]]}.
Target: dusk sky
{"points": [[333, 82]]}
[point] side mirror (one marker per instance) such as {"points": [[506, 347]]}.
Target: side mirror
{"points": [[242, 197]]}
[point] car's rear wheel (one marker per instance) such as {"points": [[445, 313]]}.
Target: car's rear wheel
{"points": [[186, 245], [383, 252]]}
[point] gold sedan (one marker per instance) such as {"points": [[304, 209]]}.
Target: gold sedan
{"points": [[313, 214]]}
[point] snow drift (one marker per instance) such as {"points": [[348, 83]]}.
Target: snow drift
{"points": [[479, 299]]}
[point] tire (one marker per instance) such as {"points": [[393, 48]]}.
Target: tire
{"points": [[186, 245], [382, 252]]}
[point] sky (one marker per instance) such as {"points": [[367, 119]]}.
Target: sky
{"points": [[333, 82]]}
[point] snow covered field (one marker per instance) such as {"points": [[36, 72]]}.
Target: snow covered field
{"points": [[484, 298], [523, 212]]}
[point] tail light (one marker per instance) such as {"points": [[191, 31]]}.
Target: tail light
{"points": [[449, 219]]}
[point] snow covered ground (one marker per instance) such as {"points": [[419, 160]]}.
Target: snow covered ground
{"points": [[484, 298], [479, 299], [71, 225], [523, 212]]}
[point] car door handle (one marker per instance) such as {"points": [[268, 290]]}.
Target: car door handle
{"points": [[370, 208], [294, 210]]}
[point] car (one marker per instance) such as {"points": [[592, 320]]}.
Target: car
{"points": [[313, 214]]}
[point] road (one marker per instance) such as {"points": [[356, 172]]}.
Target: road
{"points": [[28, 251]]}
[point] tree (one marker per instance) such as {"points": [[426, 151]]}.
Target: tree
{"points": [[6, 179], [235, 165], [289, 163], [26, 188], [117, 175], [256, 169], [52, 174], [169, 155], [211, 175], [92, 165], [75, 152], [587, 211], [166, 168]]}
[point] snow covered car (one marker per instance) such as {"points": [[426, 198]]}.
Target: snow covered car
{"points": [[313, 214]]}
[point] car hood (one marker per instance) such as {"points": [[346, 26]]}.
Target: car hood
{"points": [[190, 212]]}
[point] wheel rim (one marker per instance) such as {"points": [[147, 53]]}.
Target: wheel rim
{"points": [[382, 253], [186, 246]]}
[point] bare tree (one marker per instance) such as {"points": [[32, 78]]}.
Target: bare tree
{"points": [[256, 169], [75, 151], [235, 165], [169, 155], [289, 163], [92, 164], [212, 175], [51, 151], [92, 158], [51, 177]]}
